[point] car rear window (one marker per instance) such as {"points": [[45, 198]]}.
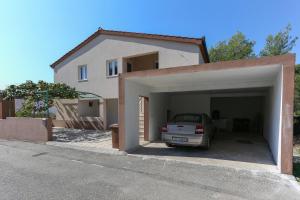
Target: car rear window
{"points": [[187, 118]]}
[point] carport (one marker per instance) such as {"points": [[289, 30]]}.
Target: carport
{"points": [[265, 83]]}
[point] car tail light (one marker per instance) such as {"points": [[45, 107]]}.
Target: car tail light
{"points": [[199, 129], [164, 129]]}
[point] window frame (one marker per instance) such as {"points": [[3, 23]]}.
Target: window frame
{"points": [[82, 76], [115, 68]]}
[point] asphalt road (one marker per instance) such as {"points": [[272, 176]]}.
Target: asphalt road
{"points": [[37, 171]]}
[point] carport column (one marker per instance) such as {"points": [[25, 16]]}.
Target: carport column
{"points": [[121, 113], [288, 71]]}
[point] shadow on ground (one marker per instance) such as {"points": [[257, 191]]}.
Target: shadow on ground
{"points": [[77, 135]]}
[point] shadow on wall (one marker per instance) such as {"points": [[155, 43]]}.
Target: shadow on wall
{"points": [[68, 116]]}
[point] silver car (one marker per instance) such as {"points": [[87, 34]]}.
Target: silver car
{"points": [[188, 130]]}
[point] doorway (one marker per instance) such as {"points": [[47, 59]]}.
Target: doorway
{"points": [[143, 118]]}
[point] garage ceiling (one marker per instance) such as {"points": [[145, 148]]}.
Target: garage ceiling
{"points": [[259, 76]]}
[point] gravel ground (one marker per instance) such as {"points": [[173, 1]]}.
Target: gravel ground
{"points": [[77, 135]]}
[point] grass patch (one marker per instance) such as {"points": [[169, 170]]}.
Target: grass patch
{"points": [[296, 171]]}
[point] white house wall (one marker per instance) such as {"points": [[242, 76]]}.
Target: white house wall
{"points": [[272, 128], [158, 106], [105, 47]]}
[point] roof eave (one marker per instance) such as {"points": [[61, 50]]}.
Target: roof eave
{"points": [[204, 51]]}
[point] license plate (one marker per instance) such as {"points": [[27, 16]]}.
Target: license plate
{"points": [[179, 139]]}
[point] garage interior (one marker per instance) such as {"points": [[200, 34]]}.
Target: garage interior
{"points": [[238, 116], [244, 103]]}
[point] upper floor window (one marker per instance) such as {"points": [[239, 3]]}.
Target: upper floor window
{"points": [[112, 68], [82, 73]]}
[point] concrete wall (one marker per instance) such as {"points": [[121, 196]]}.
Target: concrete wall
{"points": [[112, 111], [158, 106], [189, 103], [132, 93], [28, 129], [104, 47], [272, 127]]}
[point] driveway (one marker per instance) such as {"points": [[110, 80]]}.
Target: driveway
{"points": [[238, 150], [37, 171]]}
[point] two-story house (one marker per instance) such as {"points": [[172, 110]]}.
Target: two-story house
{"points": [[250, 98], [94, 65]]}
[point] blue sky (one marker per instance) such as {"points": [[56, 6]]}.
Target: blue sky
{"points": [[33, 34]]}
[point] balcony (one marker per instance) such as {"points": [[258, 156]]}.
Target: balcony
{"points": [[141, 62]]}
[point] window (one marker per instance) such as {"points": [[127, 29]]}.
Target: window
{"points": [[82, 73], [112, 68]]}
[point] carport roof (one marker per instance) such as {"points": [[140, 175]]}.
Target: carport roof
{"points": [[259, 72], [286, 59]]}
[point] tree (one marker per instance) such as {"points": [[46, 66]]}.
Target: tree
{"points": [[279, 44], [237, 47], [36, 95]]}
